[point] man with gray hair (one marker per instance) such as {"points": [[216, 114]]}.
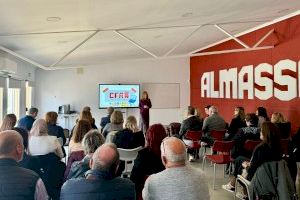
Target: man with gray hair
{"points": [[213, 122], [27, 121], [179, 180], [17, 182], [101, 181]]}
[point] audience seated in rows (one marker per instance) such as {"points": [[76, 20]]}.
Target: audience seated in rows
{"points": [[213, 122], [90, 142], [8, 122], [283, 125], [251, 132], [262, 115], [130, 137], [17, 182], [116, 123], [27, 121], [237, 122], [268, 150], [105, 120], [148, 160], [100, 182], [40, 143], [178, 181]]}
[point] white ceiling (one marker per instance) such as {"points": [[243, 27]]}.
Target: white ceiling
{"points": [[128, 29]]}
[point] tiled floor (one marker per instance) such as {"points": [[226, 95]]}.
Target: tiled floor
{"points": [[218, 193]]}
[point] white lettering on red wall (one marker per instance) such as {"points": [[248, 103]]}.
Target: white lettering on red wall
{"points": [[262, 81]]}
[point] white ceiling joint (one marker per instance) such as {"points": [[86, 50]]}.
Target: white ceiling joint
{"points": [[263, 38]]}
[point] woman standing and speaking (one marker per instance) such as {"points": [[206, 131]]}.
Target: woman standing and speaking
{"points": [[144, 105]]}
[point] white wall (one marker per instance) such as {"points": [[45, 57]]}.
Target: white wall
{"points": [[54, 88]]}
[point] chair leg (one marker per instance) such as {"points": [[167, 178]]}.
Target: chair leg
{"points": [[214, 179]]}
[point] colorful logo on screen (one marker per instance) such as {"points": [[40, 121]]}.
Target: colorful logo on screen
{"points": [[120, 98]]}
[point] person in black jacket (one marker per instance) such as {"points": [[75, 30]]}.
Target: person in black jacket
{"points": [[192, 123], [237, 122]]}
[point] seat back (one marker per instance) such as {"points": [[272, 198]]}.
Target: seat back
{"points": [[193, 135], [218, 134], [223, 147], [128, 154], [251, 144]]}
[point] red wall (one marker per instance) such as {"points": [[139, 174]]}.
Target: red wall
{"points": [[286, 39]]}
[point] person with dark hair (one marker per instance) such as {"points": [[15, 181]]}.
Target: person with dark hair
{"points": [[251, 132], [148, 160], [27, 121], [8, 122], [53, 128], [261, 112], [268, 150], [100, 182], [28, 161], [81, 128], [206, 110], [144, 105], [237, 122], [105, 120], [17, 182]]}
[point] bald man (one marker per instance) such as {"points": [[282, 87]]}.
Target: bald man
{"points": [[178, 181], [101, 181], [17, 182]]}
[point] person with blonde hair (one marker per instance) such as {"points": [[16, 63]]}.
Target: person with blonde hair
{"points": [[87, 115], [116, 123], [8, 122], [40, 143], [144, 105], [284, 126]]}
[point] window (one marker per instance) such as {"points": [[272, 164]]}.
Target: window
{"points": [[28, 97], [13, 101]]}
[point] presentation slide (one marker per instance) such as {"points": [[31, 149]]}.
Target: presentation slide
{"points": [[119, 96]]}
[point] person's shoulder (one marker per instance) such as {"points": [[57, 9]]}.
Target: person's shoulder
{"points": [[27, 172], [124, 181], [71, 183]]}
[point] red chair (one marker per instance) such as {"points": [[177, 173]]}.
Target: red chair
{"points": [[195, 140], [218, 134], [222, 157], [251, 144]]}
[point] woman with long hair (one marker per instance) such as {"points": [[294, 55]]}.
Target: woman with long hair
{"points": [[144, 105], [237, 122], [268, 150], [8, 122], [148, 160], [81, 128], [40, 143]]}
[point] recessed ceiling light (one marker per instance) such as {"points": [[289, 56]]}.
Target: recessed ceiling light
{"points": [[188, 14], [53, 19]]}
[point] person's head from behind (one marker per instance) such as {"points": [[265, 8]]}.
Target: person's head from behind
{"points": [[262, 112], [270, 134], [33, 112], [39, 128], [11, 145], [212, 110], [173, 152], [81, 128], [24, 134], [86, 108], [8, 122], [277, 117], [110, 110], [191, 110], [86, 115], [145, 95], [116, 117], [251, 119], [106, 158], [239, 112], [51, 118], [131, 124], [91, 141], [154, 136], [206, 109]]}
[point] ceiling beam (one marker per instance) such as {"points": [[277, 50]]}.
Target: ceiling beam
{"points": [[263, 38], [76, 47], [232, 37], [22, 57], [135, 44], [231, 51]]}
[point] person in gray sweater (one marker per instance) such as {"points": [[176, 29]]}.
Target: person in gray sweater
{"points": [[179, 180]]}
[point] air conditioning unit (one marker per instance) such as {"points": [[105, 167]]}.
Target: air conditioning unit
{"points": [[7, 65]]}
